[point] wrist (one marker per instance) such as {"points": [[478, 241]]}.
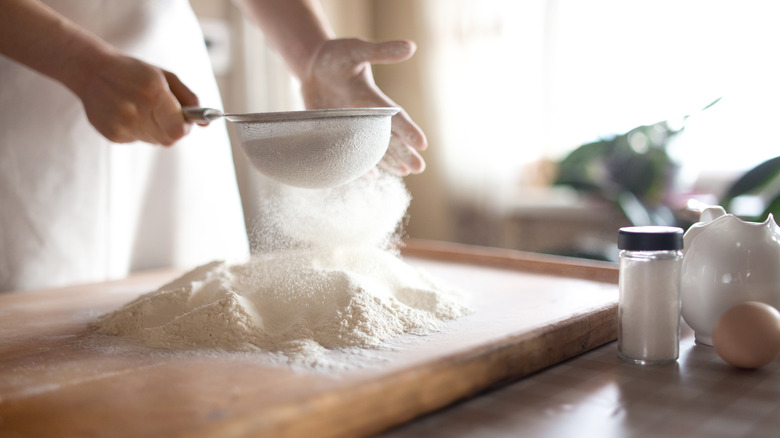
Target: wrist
{"points": [[296, 28], [88, 58]]}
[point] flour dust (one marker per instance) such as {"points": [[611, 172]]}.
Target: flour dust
{"points": [[329, 279]]}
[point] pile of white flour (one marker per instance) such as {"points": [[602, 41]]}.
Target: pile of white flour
{"points": [[330, 280]]}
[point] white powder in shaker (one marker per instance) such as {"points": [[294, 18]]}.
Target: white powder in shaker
{"points": [[329, 280], [650, 322]]}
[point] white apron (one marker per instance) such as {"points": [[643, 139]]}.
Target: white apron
{"points": [[75, 207]]}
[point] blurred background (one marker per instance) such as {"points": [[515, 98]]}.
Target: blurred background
{"points": [[551, 123]]}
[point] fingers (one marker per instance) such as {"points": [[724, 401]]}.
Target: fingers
{"points": [[408, 131], [167, 116], [168, 124], [182, 93], [159, 119], [349, 56], [401, 159]]}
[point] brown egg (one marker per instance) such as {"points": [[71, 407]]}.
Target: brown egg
{"points": [[748, 335]]}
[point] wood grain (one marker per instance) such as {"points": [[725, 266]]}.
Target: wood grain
{"points": [[530, 313]]}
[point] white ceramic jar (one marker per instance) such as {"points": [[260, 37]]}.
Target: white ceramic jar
{"points": [[727, 261]]}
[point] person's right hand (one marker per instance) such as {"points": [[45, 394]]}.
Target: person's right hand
{"points": [[128, 100]]}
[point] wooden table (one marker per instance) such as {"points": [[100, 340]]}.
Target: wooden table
{"points": [[596, 394], [531, 312]]}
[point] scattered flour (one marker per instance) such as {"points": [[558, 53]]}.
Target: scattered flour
{"points": [[329, 279]]}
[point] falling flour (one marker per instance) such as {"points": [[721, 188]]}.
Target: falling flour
{"points": [[328, 279]]}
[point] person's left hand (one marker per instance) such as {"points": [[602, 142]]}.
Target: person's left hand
{"points": [[340, 76]]}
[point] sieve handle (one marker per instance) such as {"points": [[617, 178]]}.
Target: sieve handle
{"points": [[200, 115]]}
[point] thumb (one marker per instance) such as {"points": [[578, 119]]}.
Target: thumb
{"points": [[386, 52]]}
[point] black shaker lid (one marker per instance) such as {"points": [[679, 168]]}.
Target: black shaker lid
{"points": [[650, 238]]}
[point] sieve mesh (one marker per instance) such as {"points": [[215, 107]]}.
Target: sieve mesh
{"points": [[325, 150]]}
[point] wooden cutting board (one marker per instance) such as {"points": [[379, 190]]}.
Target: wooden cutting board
{"points": [[531, 311]]}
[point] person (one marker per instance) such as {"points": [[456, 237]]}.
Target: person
{"points": [[77, 77]]}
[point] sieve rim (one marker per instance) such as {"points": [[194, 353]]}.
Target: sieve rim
{"points": [[311, 114]]}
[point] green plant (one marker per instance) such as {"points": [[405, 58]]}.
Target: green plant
{"points": [[762, 185], [633, 171]]}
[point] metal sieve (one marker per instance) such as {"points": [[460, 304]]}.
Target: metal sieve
{"points": [[312, 148]]}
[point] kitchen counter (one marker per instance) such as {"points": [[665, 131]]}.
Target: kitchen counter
{"points": [[597, 394]]}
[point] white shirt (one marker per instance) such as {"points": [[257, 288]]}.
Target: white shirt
{"points": [[75, 207]]}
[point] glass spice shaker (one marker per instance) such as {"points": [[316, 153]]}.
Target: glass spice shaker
{"points": [[649, 294]]}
